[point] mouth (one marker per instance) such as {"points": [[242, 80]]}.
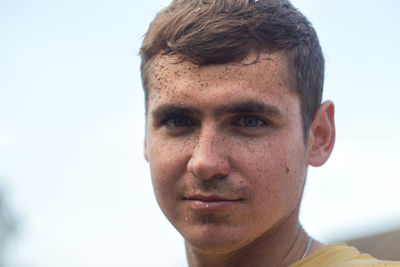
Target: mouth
{"points": [[212, 203]]}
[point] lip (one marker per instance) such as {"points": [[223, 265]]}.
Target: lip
{"points": [[212, 203], [210, 198]]}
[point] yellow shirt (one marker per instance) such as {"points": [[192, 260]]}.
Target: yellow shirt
{"points": [[342, 255]]}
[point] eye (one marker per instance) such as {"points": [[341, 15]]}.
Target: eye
{"points": [[249, 122], [179, 121]]}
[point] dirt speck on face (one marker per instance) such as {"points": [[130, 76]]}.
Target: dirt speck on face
{"points": [[287, 169]]}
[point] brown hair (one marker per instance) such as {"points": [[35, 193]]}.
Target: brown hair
{"points": [[221, 31]]}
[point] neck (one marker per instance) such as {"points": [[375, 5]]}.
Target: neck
{"points": [[282, 246]]}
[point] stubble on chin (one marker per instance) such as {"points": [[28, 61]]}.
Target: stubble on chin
{"points": [[206, 219]]}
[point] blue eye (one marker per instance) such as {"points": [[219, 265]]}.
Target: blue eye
{"points": [[180, 121], [249, 122]]}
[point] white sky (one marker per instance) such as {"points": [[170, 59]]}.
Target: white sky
{"points": [[71, 130]]}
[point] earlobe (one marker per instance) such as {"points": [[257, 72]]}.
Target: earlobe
{"points": [[322, 135]]}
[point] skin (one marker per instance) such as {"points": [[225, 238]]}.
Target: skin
{"points": [[228, 158]]}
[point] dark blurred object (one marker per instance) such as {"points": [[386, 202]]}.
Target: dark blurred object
{"points": [[382, 246], [8, 224]]}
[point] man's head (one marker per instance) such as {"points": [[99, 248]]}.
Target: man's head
{"points": [[220, 31], [233, 91]]}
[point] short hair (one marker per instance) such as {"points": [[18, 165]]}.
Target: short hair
{"points": [[222, 31]]}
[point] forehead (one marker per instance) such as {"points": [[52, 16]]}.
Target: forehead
{"points": [[169, 67], [266, 73]]}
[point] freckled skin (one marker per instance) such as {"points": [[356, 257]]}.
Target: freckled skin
{"points": [[265, 167]]}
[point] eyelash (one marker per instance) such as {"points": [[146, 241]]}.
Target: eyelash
{"points": [[182, 121], [187, 121], [240, 121]]}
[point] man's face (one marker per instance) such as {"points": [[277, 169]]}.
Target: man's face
{"points": [[226, 149]]}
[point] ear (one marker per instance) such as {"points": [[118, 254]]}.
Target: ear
{"points": [[146, 154], [321, 137]]}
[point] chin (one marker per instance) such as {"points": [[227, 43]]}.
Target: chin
{"points": [[215, 239]]}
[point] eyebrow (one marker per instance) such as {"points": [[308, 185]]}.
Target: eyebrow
{"points": [[169, 110], [249, 106]]}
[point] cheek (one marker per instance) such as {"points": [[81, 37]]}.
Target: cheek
{"points": [[275, 172], [168, 162]]}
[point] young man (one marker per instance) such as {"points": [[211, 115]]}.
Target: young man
{"points": [[234, 117]]}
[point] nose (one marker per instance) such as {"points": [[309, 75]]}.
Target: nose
{"points": [[209, 159]]}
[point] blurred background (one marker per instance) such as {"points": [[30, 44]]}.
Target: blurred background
{"points": [[75, 189]]}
